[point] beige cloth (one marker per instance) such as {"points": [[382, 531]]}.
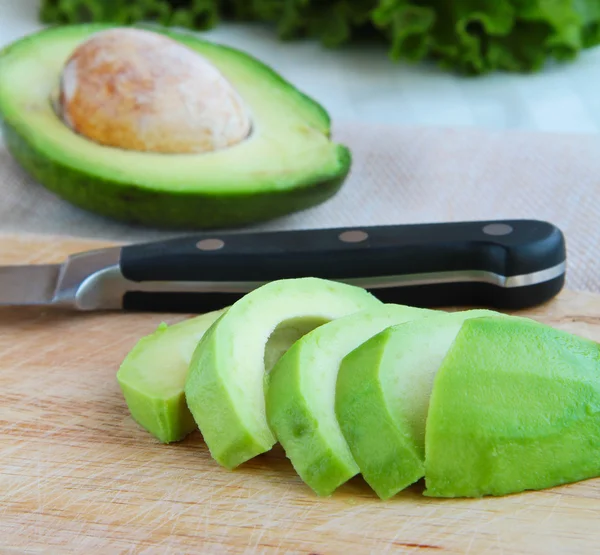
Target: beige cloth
{"points": [[400, 175]]}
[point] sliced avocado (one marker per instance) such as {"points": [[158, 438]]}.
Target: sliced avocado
{"points": [[287, 163], [152, 377], [301, 395], [382, 396], [225, 387], [515, 406]]}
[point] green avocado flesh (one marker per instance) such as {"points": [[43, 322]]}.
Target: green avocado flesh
{"points": [[476, 402], [225, 386], [152, 377], [515, 406], [382, 397], [288, 163], [301, 395]]}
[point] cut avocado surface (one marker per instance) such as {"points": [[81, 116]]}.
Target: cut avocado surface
{"points": [[382, 397], [152, 377], [301, 395], [479, 403], [515, 406], [287, 163], [225, 386]]}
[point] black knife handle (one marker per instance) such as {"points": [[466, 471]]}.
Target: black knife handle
{"points": [[525, 256], [530, 246]]}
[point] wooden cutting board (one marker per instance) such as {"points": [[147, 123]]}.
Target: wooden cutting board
{"points": [[77, 475]]}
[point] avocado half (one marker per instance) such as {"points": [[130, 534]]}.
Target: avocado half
{"points": [[288, 163]]}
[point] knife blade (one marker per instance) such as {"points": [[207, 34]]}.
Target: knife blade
{"points": [[501, 263]]}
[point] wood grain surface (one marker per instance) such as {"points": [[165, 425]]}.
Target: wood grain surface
{"points": [[77, 475]]}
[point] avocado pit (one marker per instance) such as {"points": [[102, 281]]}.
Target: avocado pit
{"points": [[137, 90]]}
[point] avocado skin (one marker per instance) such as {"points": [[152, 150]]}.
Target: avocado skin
{"points": [[133, 203], [136, 205]]}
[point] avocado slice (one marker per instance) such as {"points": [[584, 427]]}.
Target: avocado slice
{"points": [[287, 163], [382, 396], [301, 395], [152, 377], [225, 386], [515, 406]]}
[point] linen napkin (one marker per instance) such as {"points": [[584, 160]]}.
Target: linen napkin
{"points": [[399, 175]]}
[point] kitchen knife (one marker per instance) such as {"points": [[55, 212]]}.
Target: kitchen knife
{"points": [[504, 264]]}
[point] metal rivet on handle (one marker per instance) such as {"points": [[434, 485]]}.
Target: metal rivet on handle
{"points": [[353, 236], [497, 229], [210, 244]]}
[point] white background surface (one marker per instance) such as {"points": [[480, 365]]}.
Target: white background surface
{"points": [[494, 163], [365, 86]]}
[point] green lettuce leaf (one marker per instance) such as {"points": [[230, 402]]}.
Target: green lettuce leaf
{"points": [[466, 36]]}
